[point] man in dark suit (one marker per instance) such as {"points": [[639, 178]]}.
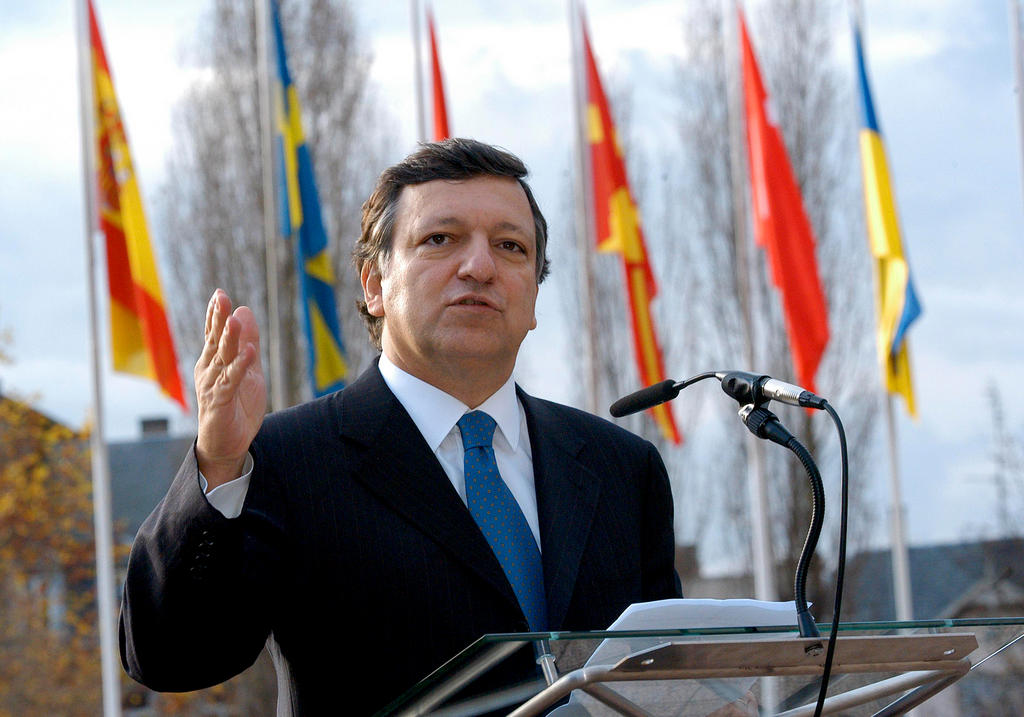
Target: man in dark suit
{"points": [[351, 534]]}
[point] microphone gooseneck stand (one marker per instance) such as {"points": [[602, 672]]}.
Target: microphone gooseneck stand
{"points": [[765, 424]]}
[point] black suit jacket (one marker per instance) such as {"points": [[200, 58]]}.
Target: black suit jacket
{"points": [[356, 552]]}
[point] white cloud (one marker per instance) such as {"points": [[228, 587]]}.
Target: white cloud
{"points": [[39, 66], [890, 47], [44, 119], [915, 31]]}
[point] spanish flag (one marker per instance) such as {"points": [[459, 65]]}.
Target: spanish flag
{"points": [[896, 301], [140, 334], [299, 214], [781, 226], [440, 106], [617, 222]]}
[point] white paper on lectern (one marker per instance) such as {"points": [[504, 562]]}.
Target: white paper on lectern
{"points": [[686, 696]]}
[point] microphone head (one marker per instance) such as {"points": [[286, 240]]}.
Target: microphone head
{"points": [[644, 398]]}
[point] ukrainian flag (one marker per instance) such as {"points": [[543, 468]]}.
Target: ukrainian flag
{"points": [[299, 213], [896, 301]]}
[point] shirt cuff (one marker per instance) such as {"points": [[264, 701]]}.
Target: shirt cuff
{"points": [[228, 498]]}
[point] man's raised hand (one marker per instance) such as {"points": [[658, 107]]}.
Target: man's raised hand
{"points": [[231, 393]]}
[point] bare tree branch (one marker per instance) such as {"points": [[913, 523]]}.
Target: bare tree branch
{"points": [[211, 206]]}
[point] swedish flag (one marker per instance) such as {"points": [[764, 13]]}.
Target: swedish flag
{"points": [[299, 213]]}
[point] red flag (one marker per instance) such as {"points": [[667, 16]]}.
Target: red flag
{"points": [[781, 226], [618, 230], [440, 108], [140, 334]]}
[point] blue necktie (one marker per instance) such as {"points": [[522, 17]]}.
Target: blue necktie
{"points": [[501, 520]]}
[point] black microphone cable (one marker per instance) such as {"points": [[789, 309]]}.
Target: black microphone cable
{"points": [[764, 424], [841, 560]]}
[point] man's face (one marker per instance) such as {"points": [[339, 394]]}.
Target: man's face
{"points": [[459, 287]]}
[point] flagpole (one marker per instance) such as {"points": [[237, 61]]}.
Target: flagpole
{"points": [[764, 560], [421, 131], [897, 530], [97, 443], [902, 596], [270, 239], [1018, 74], [584, 213]]}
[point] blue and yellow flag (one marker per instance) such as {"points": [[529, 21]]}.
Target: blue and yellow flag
{"points": [[896, 300], [299, 213]]}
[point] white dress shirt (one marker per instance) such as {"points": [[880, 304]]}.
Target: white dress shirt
{"points": [[436, 415]]}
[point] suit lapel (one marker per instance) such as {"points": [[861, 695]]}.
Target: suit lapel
{"points": [[398, 466], [567, 495]]}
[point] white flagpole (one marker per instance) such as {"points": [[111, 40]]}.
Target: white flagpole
{"points": [[584, 207], [98, 446], [1018, 71], [421, 127], [761, 545], [757, 489], [277, 392], [897, 530]]}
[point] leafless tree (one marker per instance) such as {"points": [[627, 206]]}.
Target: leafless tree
{"points": [[1007, 470], [793, 40], [211, 207], [617, 373], [687, 202], [822, 112]]}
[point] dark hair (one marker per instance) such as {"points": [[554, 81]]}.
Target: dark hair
{"points": [[454, 158]]}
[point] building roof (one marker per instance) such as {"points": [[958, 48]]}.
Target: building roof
{"points": [[141, 471], [941, 576]]}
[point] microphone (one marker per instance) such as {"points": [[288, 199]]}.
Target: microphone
{"points": [[646, 398], [747, 388], [750, 388]]}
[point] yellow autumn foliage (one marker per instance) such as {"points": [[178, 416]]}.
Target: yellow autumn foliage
{"points": [[49, 641]]}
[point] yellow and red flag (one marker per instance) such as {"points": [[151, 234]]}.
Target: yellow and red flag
{"points": [[440, 107], [140, 334], [617, 224], [781, 226]]}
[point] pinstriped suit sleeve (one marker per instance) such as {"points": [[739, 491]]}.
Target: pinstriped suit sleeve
{"points": [[194, 609]]}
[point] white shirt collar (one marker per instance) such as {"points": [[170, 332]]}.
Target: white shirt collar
{"points": [[435, 412]]}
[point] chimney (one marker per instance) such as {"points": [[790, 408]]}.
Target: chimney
{"points": [[154, 427], [687, 562]]}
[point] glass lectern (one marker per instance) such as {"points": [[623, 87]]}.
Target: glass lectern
{"points": [[879, 668]]}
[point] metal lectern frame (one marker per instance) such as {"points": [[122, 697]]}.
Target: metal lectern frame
{"points": [[927, 664], [924, 664]]}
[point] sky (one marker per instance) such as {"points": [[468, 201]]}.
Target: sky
{"points": [[943, 83]]}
